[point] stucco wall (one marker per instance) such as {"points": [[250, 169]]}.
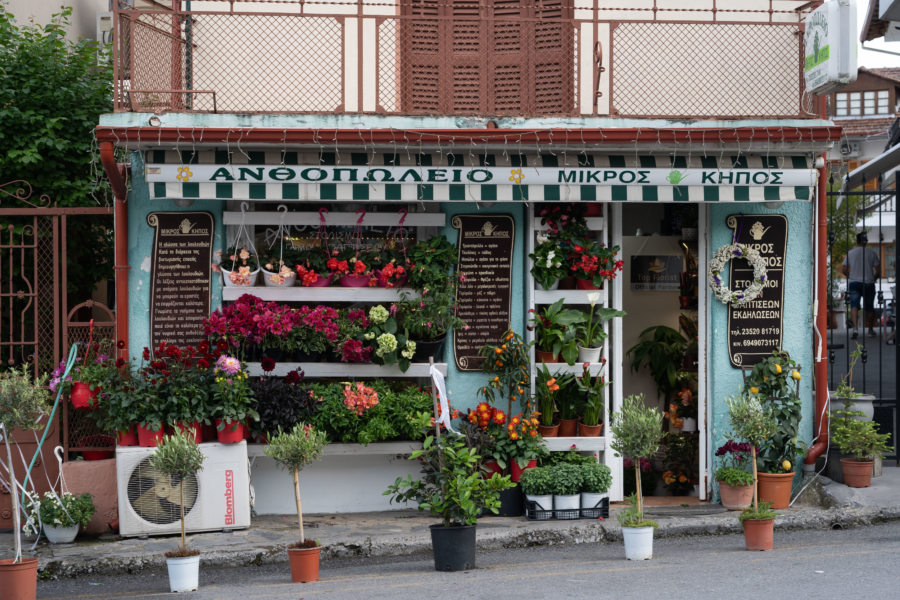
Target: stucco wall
{"points": [[797, 334]]}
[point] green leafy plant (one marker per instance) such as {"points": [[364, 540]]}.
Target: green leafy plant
{"points": [[759, 512], [633, 514], [734, 459], [432, 274], [589, 333], [592, 387], [546, 390], [661, 350], [636, 430], [593, 261], [293, 450], [569, 399], [233, 396], [852, 435], [555, 330], [567, 479], [596, 477], [753, 422], [537, 481], [548, 262], [53, 510], [451, 486], [179, 457]]}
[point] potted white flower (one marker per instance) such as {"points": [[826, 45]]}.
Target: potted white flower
{"points": [[60, 517], [293, 450], [636, 431], [179, 457]]}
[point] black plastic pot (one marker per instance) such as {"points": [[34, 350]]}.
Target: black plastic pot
{"points": [[453, 547], [511, 502], [428, 348]]}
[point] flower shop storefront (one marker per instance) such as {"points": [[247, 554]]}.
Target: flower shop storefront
{"points": [[549, 252]]}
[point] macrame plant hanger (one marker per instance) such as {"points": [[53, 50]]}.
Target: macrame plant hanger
{"points": [[243, 234]]}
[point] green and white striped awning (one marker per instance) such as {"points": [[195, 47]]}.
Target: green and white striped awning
{"points": [[296, 176]]}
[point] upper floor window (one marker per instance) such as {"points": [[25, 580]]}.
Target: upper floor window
{"points": [[861, 103], [487, 57]]}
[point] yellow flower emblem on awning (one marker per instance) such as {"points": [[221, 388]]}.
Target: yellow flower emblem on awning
{"points": [[184, 174], [516, 175]]}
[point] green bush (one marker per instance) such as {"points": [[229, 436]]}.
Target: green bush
{"points": [[537, 482], [567, 479], [596, 478], [67, 510]]}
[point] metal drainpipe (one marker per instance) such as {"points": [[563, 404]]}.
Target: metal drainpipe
{"points": [[820, 417], [116, 175]]}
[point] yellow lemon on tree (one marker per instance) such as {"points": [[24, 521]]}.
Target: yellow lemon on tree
{"points": [[777, 369], [754, 390], [795, 375], [786, 465]]}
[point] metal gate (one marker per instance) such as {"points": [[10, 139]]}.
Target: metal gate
{"points": [[870, 209], [36, 325]]}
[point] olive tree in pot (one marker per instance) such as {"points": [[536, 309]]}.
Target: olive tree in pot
{"points": [[752, 422], [179, 457], [636, 430], [292, 450], [23, 400], [452, 488]]}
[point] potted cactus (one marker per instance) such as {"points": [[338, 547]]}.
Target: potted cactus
{"points": [[292, 450]]}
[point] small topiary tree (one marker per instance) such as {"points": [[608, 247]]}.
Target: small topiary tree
{"points": [[752, 422], [637, 430], [178, 456]]}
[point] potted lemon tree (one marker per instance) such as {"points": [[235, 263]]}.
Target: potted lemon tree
{"points": [[636, 430], [292, 450], [23, 400], [453, 489], [179, 457], [754, 423]]}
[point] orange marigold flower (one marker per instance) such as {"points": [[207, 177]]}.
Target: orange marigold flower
{"points": [[473, 417], [513, 435], [533, 433], [516, 420], [534, 421]]}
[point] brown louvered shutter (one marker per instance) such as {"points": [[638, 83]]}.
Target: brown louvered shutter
{"points": [[487, 57], [466, 44], [554, 58], [511, 40], [420, 83]]}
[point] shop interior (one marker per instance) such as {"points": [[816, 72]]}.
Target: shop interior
{"points": [[660, 337]]}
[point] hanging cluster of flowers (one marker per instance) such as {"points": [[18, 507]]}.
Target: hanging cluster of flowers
{"points": [[717, 284]]}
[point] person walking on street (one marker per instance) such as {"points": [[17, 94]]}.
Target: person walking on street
{"points": [[862, 268]]}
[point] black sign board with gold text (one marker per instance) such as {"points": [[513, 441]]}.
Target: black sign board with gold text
{"points": [[180, 277], [485, 250], [754, 328]]}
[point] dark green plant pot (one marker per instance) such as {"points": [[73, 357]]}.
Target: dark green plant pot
{"points": [[511, 502]]}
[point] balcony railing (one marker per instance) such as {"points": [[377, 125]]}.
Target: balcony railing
{"points": [[528, 58]]}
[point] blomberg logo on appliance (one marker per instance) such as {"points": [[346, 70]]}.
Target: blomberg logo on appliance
{"points": [[229, 497]]}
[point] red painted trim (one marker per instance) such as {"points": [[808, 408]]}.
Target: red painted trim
{"points": [[572, 137], [116, 175]]}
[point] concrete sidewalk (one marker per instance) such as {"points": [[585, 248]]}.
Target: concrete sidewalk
{"points": [[824, 505]]}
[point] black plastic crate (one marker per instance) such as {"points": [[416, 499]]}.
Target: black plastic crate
{"points": [[535, 512]]}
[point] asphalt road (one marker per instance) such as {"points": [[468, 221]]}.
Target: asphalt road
{"points": [[857, 563]]}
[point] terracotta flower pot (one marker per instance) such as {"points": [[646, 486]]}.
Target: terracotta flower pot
{"points": [[584, 284], [548, 430], [568, 427], [759, 534], [776, 488], [857, 473], [304, 564], [18, 580], [735, 497], [590, 430], [544, 356]]}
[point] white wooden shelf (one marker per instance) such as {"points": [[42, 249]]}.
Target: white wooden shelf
{"points": [[575, 369], [373, 449], [319, 295], [580, 444], [570, 296], [347, 370]]}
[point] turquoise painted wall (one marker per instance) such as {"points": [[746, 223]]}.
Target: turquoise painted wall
{"points": [[140, 246], [797, 333], [463, 385]]}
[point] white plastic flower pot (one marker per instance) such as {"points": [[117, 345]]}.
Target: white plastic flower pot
{"points": [[638, 542], [567, 506], [542, 509], [61, 535], [591, 355], [184, 573]]}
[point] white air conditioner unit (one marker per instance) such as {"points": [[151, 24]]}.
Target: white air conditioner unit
{"points": [[218, 498], [849, 149]]}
